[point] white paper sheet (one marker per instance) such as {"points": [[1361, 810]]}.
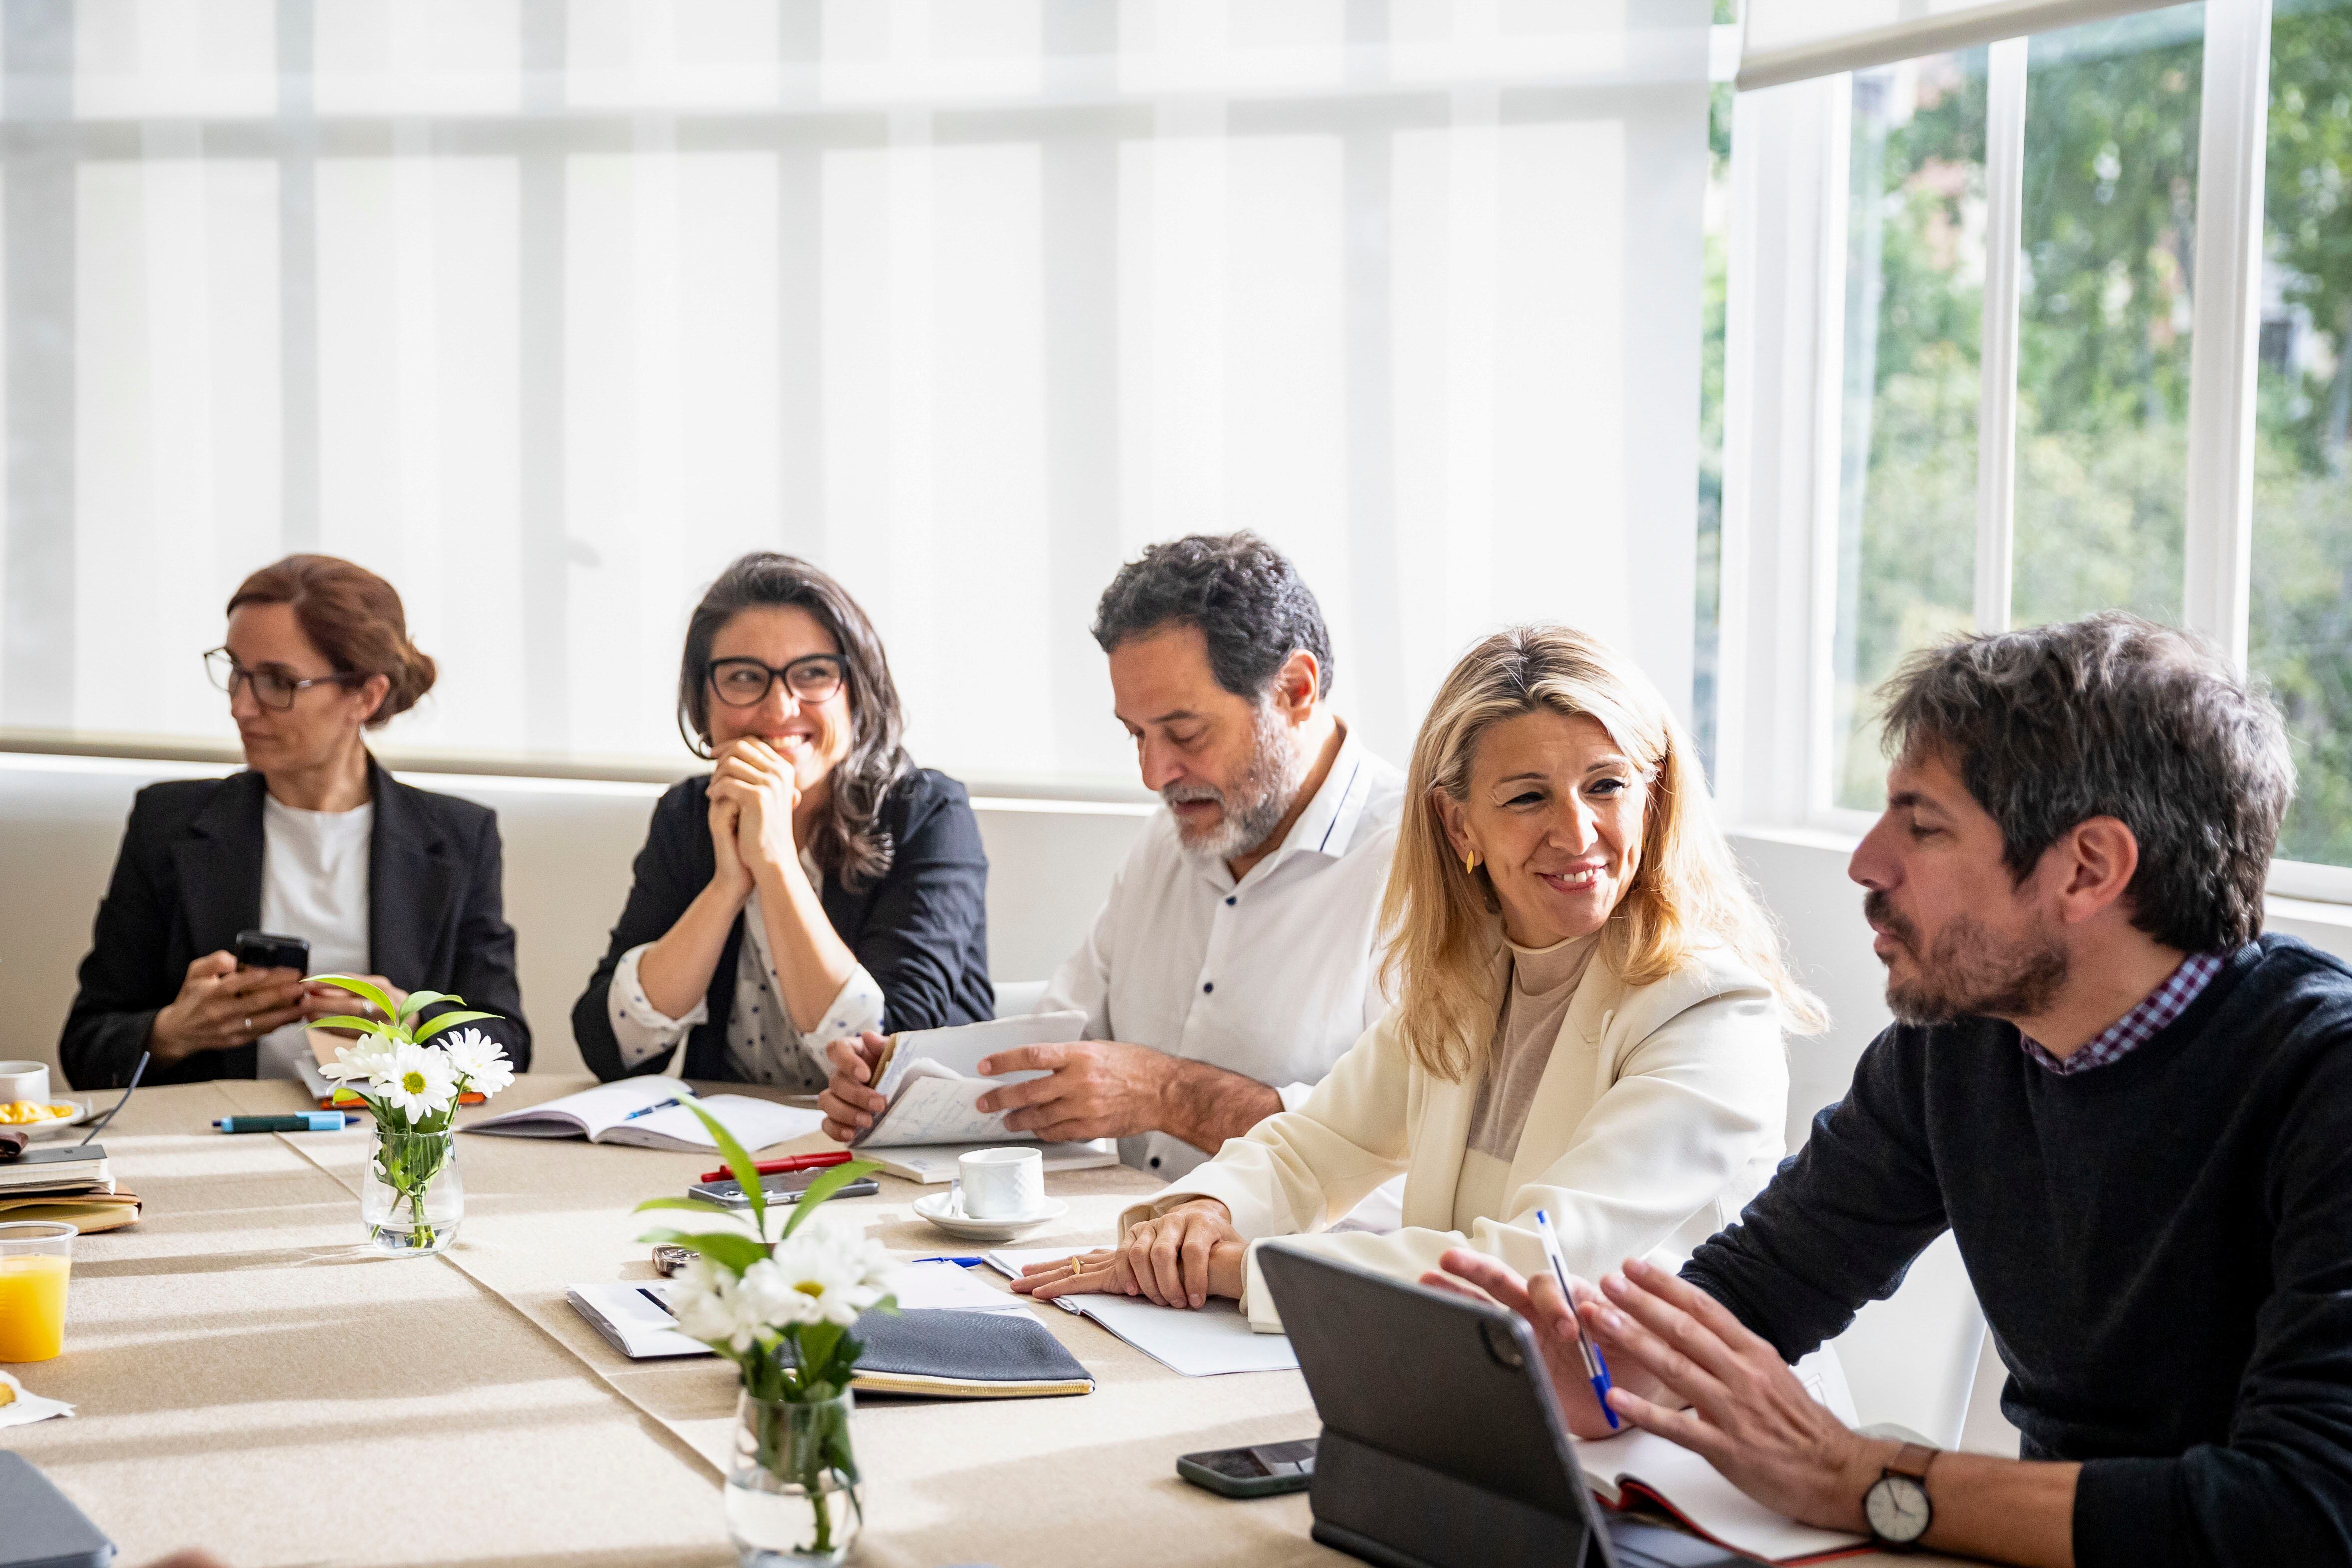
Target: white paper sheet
{"points": [[921, 1287], [1204, 1342], [931, 1084]]}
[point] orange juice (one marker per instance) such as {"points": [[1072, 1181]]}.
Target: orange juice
{"points": [[32, 1307]]}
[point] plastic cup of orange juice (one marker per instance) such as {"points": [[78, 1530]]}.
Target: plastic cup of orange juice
{"points": [[34, 1257]]}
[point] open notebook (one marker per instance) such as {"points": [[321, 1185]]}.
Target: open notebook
{"points": [[1642, 1467], [609, 1113], [1204, 1342]]}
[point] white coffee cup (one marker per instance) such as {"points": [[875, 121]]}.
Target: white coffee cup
{"points": [[24, 1081], [1002, 1184]]}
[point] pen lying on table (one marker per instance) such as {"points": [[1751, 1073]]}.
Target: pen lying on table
{"points": [[300, 1121], [789, 1162]]}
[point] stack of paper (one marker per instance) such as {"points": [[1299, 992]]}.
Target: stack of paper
{"points": [[1695, 1492], [1197, 1341], [929, 1077]]}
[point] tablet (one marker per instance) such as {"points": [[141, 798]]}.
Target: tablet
{"points": [[44, 1528], [1442, 1446]]}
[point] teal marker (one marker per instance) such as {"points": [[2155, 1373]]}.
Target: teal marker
{"points": [[303, 1121]]}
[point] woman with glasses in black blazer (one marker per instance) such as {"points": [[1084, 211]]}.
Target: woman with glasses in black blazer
{"points": [[815, 885], [313, 840]]}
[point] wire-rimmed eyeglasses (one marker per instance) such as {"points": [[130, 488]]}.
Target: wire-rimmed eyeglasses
{"points": [[271, 689]]}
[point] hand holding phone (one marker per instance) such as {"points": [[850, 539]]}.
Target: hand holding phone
{"points": [[223, 1003]]}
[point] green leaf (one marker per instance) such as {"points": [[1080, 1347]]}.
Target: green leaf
{"points": [[357, 987], [731, 1249], [365, 1025], [702, 1205], [441, 1021], [816, 1346], [834, 1178], [745, 1169], [415, 1001]]}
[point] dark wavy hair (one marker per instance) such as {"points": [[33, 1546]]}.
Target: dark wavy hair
{"points": [[2113, 716], [850, 841], [1252, 607]]}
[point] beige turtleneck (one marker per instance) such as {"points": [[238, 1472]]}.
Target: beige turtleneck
{"points": [[1543, 982]]}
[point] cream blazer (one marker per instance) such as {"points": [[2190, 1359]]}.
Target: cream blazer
{"points": [[1658, 1116]]}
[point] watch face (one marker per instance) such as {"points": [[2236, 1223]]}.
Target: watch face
{"points": [[1896, 1507]]}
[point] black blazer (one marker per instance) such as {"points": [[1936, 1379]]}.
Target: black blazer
{"points": [[920, 929], [189, 879]]}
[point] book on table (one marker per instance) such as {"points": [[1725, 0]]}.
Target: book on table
{"points": [[953, 1337], [85, 1212], [636, 1112], [60, 1171]]}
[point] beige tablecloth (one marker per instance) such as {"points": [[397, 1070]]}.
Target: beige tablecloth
{"points": [[251, 1381]]}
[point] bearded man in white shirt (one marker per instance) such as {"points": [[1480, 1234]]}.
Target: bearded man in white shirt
{"points": [[1237, 957]]}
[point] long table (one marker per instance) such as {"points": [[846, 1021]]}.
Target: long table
{"points": [[252, 1379]]}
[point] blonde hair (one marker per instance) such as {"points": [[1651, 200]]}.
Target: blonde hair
{"points": [[1441, 921]]}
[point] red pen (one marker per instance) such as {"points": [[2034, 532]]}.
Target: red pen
{"points": [[789, 1162]]}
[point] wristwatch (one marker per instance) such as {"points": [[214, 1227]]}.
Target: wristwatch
{"points": [[1896, 1506]]}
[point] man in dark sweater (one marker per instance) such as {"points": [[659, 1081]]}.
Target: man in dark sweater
{"points": [[2132, 1109]]}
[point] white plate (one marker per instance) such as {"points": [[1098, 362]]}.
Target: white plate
{"points": [[933, 1206], [83, 1111]]}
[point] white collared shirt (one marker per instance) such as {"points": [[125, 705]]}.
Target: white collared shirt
{"points": [[1272, 976]]}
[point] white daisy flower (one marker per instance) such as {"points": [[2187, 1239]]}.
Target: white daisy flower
{"points": [[839, 1271], [417, 1081], [365, 1059], [480, 1061], [713, 1305]]}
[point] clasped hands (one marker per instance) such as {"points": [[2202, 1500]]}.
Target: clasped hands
{"points": [[753, 793], [1093, 1089], [1684, 1367]]}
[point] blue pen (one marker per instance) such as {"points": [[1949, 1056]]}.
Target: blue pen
{"points": [[302, 1122], [959, 1262], [1595, 1368], [657, 1105]]}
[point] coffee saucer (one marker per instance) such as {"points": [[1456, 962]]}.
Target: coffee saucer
{"points": [[934, 1207]]}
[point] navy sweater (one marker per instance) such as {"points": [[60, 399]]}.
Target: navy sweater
{"points": [[2163, 1247]]}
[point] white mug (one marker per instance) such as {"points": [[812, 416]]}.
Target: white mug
{"points": [[24, 1081], [1002, 1184]]}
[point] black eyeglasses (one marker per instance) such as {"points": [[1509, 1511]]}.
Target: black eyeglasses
{"points": [[270, 688], [810, 679]]}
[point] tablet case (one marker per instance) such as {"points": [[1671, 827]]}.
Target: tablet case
{"points": [[1442, 1446], [44, 1529]]}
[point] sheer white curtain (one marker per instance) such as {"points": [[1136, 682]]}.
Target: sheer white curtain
{"points": [[547, 310]]}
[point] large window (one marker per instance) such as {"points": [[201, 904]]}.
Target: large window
{"points": [[1914, 263], [2110, 228], [2019, 352], [2302, 561]]}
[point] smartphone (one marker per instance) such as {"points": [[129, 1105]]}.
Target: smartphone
{"points": [[266, 950], [1262, 1471], [783, 1187]]}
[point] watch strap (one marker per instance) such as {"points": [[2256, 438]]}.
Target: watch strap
{"points": [[1912, 1459]]}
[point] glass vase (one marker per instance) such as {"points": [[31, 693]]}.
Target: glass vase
{"points": [[793, 1493], [413, 1198]]}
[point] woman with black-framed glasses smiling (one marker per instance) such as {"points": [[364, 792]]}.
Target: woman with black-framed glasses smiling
{"points": [[815, 884], [313, 840]]}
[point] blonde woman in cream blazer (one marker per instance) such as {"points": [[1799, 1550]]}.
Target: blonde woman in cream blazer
{"points": [[1589, 1019]]}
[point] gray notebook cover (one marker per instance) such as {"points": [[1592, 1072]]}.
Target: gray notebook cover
{"points": [[43, 1529], [976, 1347]]}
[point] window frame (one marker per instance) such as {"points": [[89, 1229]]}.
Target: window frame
{"points": [[1784, 358]]}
